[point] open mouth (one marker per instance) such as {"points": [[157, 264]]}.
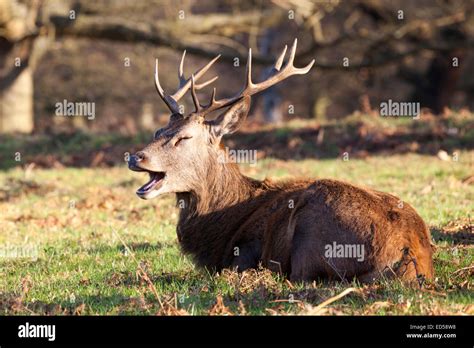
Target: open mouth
{"points": [[156, 180]]}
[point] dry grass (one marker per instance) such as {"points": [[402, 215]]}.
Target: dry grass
{"points": [[101, 250]]}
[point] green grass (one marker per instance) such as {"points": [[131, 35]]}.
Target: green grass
{"points": [[77, 219]]}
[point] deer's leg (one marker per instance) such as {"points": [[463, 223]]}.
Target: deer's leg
{"points": [[306, 264], [316, 231], [411, 266], [246, 255]]}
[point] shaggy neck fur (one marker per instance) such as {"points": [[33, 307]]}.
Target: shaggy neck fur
{"points": [[221, 186], [221, 200]]}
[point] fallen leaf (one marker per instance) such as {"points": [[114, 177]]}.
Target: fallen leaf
{"points": [[219, 308]]}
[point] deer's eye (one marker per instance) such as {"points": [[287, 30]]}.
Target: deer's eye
{"points": [[176, 143]]}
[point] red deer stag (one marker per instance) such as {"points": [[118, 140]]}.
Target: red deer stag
{"points": [[305, 229]]}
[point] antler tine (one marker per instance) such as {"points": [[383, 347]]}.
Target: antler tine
{"points": [[197, 105], [182, 80], [297, 71], [172, 105], [282, 73], [184, 84], [292, 54], [216, 104], [248, 70], [302, 71], [213, 96], [204, 84], [290, 64], [251, 88], [159, 89], [187, 84], [279, 61]]}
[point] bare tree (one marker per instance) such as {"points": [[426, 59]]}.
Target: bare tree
{"points": [[18, 30], [373, 33]]}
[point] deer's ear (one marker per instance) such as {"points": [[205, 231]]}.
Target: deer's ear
{"points": [[231, 120]]}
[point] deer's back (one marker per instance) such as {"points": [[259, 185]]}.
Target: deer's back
{"points": [[295, 226]]}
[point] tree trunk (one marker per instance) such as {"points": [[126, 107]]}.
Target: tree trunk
{"points": [[16, 105], [16, 78]]}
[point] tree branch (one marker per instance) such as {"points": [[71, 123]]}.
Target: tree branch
{"points": [[173, 33]]}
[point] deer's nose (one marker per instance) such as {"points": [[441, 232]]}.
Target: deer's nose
{"points": [[140, 156], [133, 161]]}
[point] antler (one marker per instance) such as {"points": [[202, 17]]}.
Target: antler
{"points": [[184, 84], [277, 74]]}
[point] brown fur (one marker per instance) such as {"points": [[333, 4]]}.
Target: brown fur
{"points": [[230, 210], [230, 220]]}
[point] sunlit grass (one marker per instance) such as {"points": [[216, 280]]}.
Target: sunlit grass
{"points": [[78, 218]]}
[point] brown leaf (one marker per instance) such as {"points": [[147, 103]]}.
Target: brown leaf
{"points": [[219, 308], [468, 180], [79, 309], [469, 309]]}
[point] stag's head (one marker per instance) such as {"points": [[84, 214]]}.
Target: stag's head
{"points": [[178, 158]]}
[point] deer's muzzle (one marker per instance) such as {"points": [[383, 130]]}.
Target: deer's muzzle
{"points": [[155, 182], [135, 163]]}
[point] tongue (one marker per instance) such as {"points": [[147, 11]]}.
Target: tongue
{"points": [[149, 185], [154, 180]]}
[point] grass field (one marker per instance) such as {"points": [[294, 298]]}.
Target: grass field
{"points": [[102, 250]]}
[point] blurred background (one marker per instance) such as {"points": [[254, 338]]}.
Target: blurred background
{"points": [[366, 52]]}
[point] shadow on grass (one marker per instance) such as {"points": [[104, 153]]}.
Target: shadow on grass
{"points": [[463, 236], [15, 305], [134, 279], [360, 137], [134, 247]]}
